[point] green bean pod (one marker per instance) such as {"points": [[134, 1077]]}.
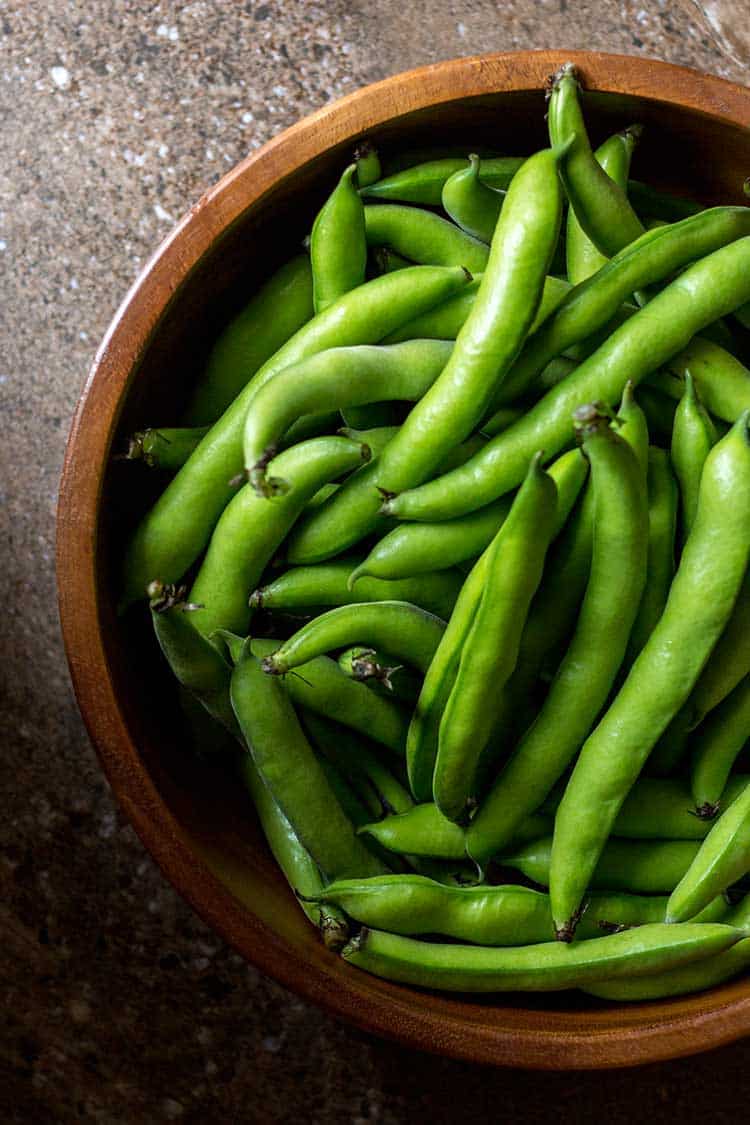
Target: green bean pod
{"points": [[338, 249], [498, 915], [300, 870], [471, 204], [614, 156], [330, 584], [286, 763], [514, 565], [723, 857], [424, 237], [407, 631], [588, 669], [165, 448], [639, 866], [282, 306], [177, 528], [548, 967], [693, 437], [445, 321], [706, 290], [700, 601], [715, 747], [411, 548], [600, 205], [251, 529], [424, 183], [196, 664], [662, 525], [333, 380]]}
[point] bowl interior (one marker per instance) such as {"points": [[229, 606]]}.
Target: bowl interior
{"points": [[210, 823]]}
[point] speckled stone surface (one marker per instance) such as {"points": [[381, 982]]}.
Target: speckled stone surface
{"points": [[119, 1004]]}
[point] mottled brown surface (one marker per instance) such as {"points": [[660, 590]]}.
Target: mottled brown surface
{"points": [[121, 1006]]}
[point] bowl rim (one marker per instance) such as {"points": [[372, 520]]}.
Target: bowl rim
{"points": [[507, 1036]]}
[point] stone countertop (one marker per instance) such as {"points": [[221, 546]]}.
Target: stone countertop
{"points": [[120, 1005]]}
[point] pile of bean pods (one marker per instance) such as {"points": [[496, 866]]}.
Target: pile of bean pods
{"points": [[453, 558]]}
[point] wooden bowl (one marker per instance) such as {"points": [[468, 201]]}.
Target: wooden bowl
{"points": [[191, 817]]}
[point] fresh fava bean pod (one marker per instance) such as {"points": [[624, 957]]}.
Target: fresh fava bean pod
{"points": [[353, 511], [333, 380], [288, 766], [321, 686], [251, 529], [548, 967], [196, 664], [408, 549], [723, 857], [706, 290], [338, 248], [660, 808], [693, 437], [165, 448], [424, 831], [727, 665], [422, 739], [424, 237], [554, 609], [513, 570], [722, 381], [662, 525], [588, 669], [424, 182], [700, 601], [491, 337], [715, 747], [483, 915], [600, 205], [368, 164], [177, 528], [696, 977], [300, 870], [277, 311], [638, 866], [446, 320], [358, 760], [407, 631], [471, 204], [600, 304], [582, 257], [374, 782], [328, 584]]}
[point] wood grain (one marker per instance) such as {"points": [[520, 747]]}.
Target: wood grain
{"points": [[196, 824]]}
